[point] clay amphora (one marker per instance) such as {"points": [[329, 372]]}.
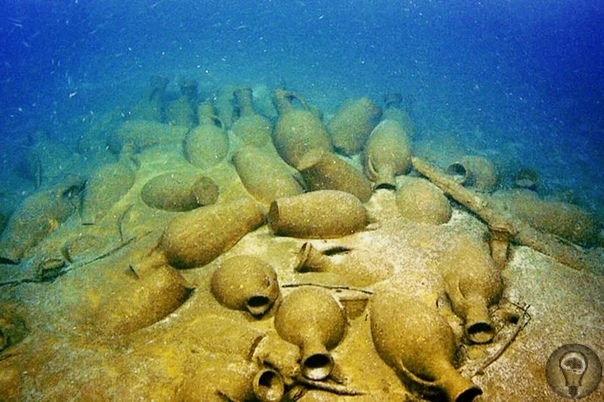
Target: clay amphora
{"points": [[179, 191], [151, 105], [325, 171], [144, 134], [474, 171], [562, 219], [387, 154], [231, 358], [414, 339], [39, 215], [268, 385], [225, 109], [107, 185], [231, 342], [351, 125], [473, 283], [526, 178], [421, 201], [220, 377], [312, 319], [197, 237], [297, 131], [146, 292], [246, 283], [46, 161], [207, 145], [243, 99], [265, 175], [250, 127], [500, 237], [207, 114], [318, 214], [357, 267], [394, 109], [183, 111]]}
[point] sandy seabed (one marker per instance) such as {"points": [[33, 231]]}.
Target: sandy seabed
{"points": [[68, 350], [79, 337]]}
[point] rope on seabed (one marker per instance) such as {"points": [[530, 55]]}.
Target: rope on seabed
{"points": [[331, 287], [523, 320]]}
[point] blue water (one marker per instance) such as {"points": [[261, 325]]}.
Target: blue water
{"points": [[520, 81]]}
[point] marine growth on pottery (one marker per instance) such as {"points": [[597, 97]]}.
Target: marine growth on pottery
{"points": [[318, 214], [246, 283], [413, 339], [312, 319]]}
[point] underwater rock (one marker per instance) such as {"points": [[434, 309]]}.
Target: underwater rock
{"points": [[107, 185], [387, 154], [297, 131], [183, 111], [420, 201], [473, 283], [312, 319], [246, 283], [265, 176], [207, 145], [250, 127], [196, 238], [352, 124], [151, 105], [562, 219], [179, 191], [413, 339], [357, 267], [318, 214], [326, 171], [38, 215], [474, 171]]}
